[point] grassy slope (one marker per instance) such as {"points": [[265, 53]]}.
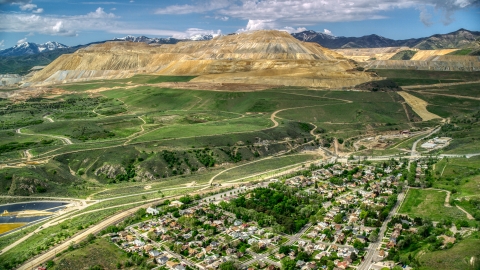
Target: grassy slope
{"points": [[458, 257], [418, 77], [262, 166], [99, 252], [404, 55], [429, 204]]}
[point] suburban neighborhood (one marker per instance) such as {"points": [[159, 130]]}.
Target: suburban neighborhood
{"points": [[345, 206]]}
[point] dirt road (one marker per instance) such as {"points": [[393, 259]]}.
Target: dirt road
{"points": [[409, 87], [446, 95], [63, 139]]}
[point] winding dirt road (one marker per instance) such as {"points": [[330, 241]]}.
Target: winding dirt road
{"points": [[63, 139]]}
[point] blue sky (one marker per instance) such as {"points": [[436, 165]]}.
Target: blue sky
{"points": [[80, 22]]}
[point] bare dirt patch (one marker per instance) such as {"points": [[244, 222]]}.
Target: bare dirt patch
{"points": [[419, 106]]}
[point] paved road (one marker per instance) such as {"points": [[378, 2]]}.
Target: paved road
{"points": [[264, 256], [92, 230], [372, 249], [414, 146]]}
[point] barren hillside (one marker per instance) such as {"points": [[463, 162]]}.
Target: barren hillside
{"points": [[265, 57]]}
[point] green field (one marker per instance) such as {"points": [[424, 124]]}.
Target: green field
{"points": [[262, 166], [429, 204], [468, 90], [420, 77], [100, 252], [137, 79]]}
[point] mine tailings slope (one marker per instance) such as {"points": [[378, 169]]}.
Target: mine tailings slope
{"points": [[258, 57]]}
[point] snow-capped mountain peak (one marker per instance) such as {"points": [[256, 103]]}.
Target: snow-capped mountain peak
{"points": [[201, 37], [26, 48], [50, 46]]}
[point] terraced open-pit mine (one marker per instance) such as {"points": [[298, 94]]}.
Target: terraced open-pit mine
{"points": [[439, 60], [259, 57]]}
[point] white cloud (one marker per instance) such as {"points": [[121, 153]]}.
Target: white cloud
{"points": [[58, 25], [328, 32], [15, 2], [145, 31], [222, 18], [284, 13], [190, 32], [2, 43], [28, 7], [38, 11], [188, 9], [113, 9], [425, 17], [253, 25], [22, 41], [292, 30]]}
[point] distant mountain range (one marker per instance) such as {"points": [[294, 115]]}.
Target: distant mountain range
{"points": [[31, 48], [20, 58], [148, 40], [459, 39]]}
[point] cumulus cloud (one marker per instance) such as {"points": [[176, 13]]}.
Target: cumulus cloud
{"points": [[58, 25], [191, 32], [253, 25], [328, 32], [292, 30], [309, 12], [28, 6], [31, 7], [22, 41]]}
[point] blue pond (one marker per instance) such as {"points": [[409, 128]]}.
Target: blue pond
{"points": [[40, 206]]}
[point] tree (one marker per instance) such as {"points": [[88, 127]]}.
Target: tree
{"points": [[373, 237], [284, 249], [338, 218], [353, 256], [358, 245], [229, 265], [255, 247], [288, 264], [50, 264]]}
